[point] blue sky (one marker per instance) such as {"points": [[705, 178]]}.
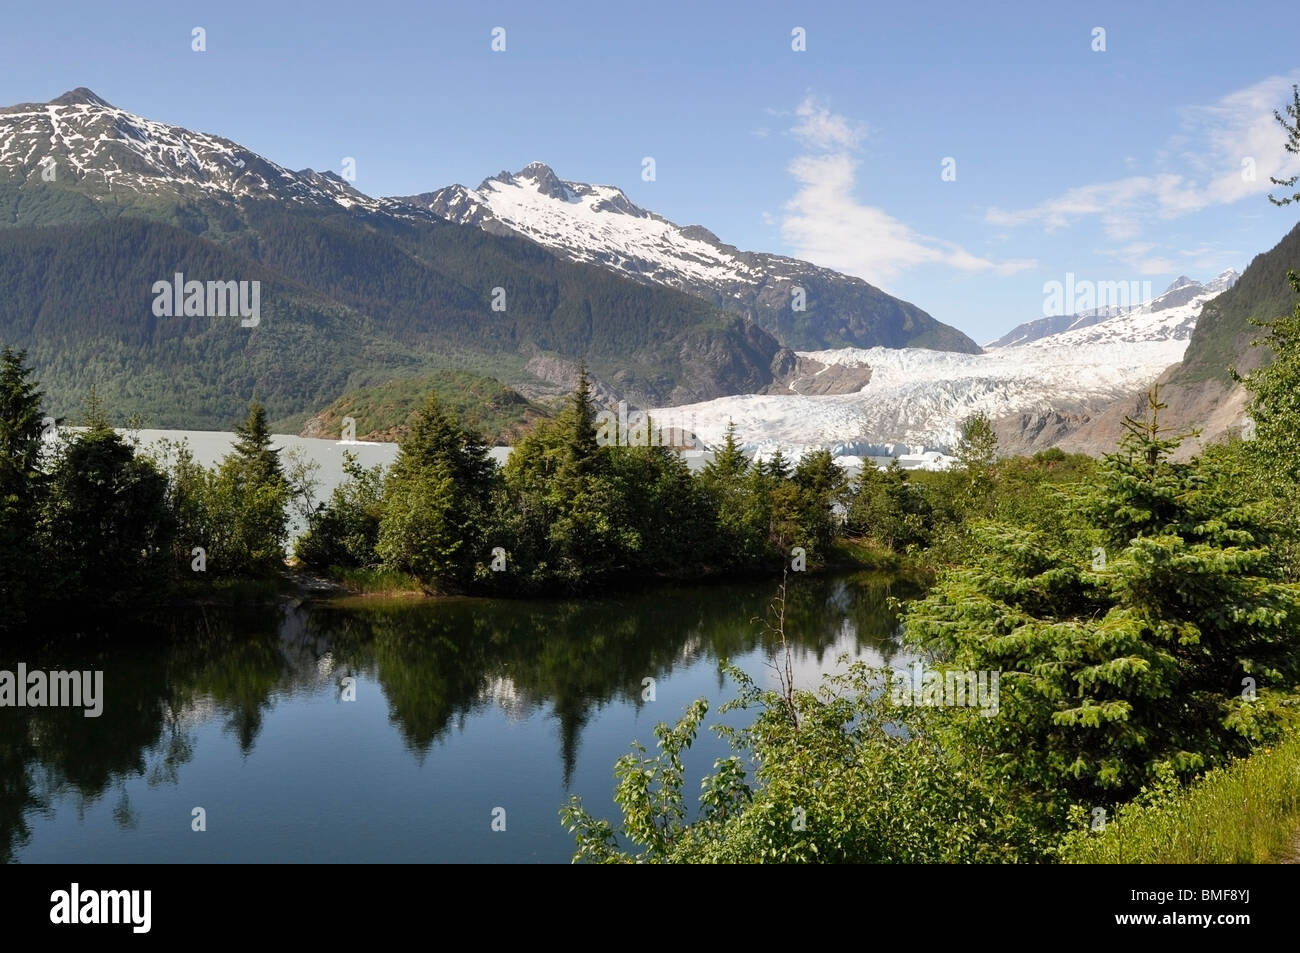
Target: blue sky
{"points": [[1122, 165]]}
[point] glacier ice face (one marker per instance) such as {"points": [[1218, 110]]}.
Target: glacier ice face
{"points": [[917, 399]]}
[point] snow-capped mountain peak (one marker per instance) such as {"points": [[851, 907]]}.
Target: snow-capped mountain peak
{"points": [[600, 225], [1223, 280], [1171, 315], [542, 178], [81, 140]]}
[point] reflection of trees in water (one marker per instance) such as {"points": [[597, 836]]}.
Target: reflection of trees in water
{"points": [[436, 663], [56, 754]]}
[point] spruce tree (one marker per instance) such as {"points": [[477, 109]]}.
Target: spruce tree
{"points": [[106, 526], [1290, 123], [579, 422], [22, 482], [728, 464], [258, 461], [777, 466], [246, 524], [1161, 642], [437, 501]]}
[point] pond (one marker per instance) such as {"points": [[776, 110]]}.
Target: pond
{"points": [[391, 731]]}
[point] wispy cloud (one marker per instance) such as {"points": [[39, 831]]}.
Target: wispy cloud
{"points": [[821, 129], [1137, 257], [826, 224], [1225, 151]]}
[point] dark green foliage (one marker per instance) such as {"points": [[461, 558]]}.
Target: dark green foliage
{"points": [[729, 463], [673, 526], [564, 513], [22, 483], [1225, 331], [343, 304], [1275, 395], [344, 532], [736, 489], [436, 509], [253, 456], [1127, 659], [776, 466], [246, 498], [822, 497], [106, 530], [890, 509]]}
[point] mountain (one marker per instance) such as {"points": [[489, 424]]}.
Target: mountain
{"points": [[1199, 390], [80, 140], [600, 225], [98, 204], [912, 399], [1179, 306]]}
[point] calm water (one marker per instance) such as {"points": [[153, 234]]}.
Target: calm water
{"points": [[461, 707]]}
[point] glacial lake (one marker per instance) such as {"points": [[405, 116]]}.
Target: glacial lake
{"points": [[462, 707]]}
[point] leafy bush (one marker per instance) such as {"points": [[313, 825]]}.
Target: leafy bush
{"points": [[842, 776], [344, 533]]}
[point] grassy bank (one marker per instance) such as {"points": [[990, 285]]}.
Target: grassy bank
{"points": [[1246, 813]]}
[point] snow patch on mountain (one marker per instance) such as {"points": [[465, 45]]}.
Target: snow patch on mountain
{"points": [[111, 151], [1172, 313], [600, 225], [594, 223]]}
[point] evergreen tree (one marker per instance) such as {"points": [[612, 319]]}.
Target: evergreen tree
{"points": [[94, 415], [818, 473], [22, 483], [728, 464], [243, 505], [822, 487], [1292, 144], [1159, 651], [437, 501], [777, 466], [976, 453], [579, 427], [888, 509], [1275, 396], [106, 526], [730, 483], [257, 460]]}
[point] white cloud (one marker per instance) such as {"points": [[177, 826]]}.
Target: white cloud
{"points": [[821, 129], [824, 223], [1208, 155]]}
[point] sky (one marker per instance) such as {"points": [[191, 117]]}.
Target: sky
{"points": [[1142, 161]]}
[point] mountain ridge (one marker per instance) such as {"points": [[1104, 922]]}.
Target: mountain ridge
{"points": [[357, 290], [1180, 292], [601, 225]]}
